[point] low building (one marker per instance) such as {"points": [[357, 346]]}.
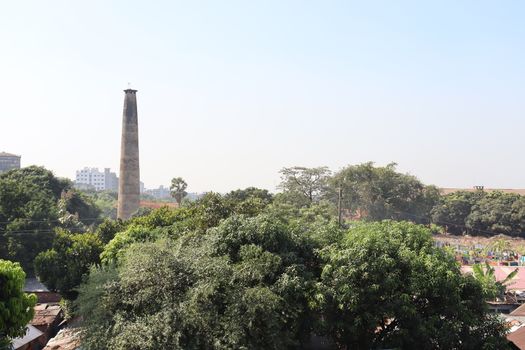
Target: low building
{"points": [[9, 161], [43, 295], [33, 339], [47, 319]]}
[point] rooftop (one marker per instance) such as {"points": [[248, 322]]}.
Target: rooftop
{"points": [[520, 311], [5, 154], [46, 314], [518, 338], [32, 333], [501, 272], [34, 285]]}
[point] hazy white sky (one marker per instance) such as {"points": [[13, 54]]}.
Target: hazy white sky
{"points": [[232, 91]]}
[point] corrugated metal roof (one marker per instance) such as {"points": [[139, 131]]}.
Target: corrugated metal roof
{"points": [[32, 333], [518, 338]]}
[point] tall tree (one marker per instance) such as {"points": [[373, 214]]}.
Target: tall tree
{"points": [[453, 209], [481, 212], [178, 189], [379, 193], [386, 285], [29, 212], [250, 201], [62, 267], [249, 192], [303, 186], [16, 307], [179, 288]]}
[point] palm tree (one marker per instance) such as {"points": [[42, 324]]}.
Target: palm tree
{"points": [[500, 246], [492, 289], [178, 189]]}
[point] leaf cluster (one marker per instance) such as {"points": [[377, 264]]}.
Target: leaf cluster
{"points": [[16, 307]]}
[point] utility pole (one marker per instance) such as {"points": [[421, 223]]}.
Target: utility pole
{"points": [[339, 208]]}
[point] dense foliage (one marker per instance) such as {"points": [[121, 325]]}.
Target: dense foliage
{"points": [[105, 201], [32, 203], [243, 285], [304, 186], [378, 193], [250, 270], [481, 213], [205, 277], [62, 267], [385, 285], [16, 307]]}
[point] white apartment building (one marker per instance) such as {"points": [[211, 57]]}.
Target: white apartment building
{"points": [[93, 178], [9, 161]]}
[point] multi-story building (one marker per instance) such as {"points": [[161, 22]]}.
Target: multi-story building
{"points": [[9, 161], [111, 180], [93, 178], [159, 193]]}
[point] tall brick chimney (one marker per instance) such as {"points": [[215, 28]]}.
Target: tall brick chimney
{"points": [[129, 182]]}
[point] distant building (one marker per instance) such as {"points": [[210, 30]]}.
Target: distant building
{"points": [[159, 193], [43, 295], [9, 161], [111, 180], [92, 178]]}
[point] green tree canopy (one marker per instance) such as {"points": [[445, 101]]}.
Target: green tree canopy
{"points": [[481, 213], [250, 201], [379, 193], [387, 286], [303, 186], [453, 209], [16, 307], [249, 192], [29, 212], [62, 267], [275, 278], [243, 285]]}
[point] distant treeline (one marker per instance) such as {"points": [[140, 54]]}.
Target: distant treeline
{"points": [[255, 270], [34, 203], [377, 193]]}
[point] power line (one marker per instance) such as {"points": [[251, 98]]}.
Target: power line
{"points": [[25, 221]]}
